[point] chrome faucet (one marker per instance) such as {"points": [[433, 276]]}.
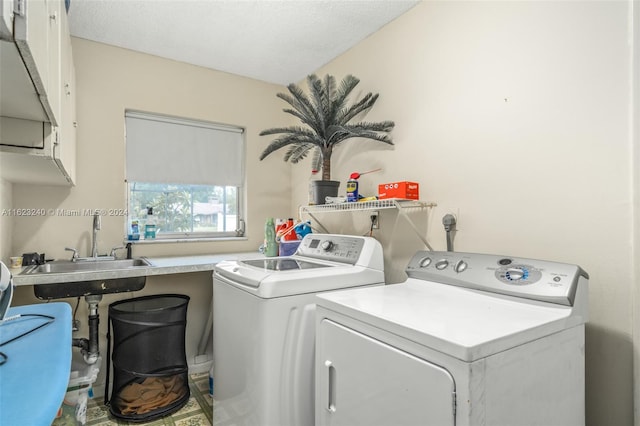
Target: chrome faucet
{"points": [[74, 256], [96, 228], [113, 251]]}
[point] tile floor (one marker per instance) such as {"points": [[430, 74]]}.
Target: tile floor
{"points": [[197, 412]]}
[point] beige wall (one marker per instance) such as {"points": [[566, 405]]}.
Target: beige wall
{"points": [[517, 116], [513, 115], [110, 80]]}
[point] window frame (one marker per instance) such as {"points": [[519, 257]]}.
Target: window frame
{"points": [[186, 236]]}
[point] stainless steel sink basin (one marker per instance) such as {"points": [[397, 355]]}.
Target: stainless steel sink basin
{"points": [[61, 266], [106, 279]]}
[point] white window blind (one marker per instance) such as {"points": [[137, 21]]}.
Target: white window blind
{"points": [[182, 151]]}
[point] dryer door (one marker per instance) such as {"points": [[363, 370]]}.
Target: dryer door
{"points": [[363, 381]]}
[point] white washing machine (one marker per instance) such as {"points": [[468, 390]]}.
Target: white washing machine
{"points": [[264, 326], [468, 339]]}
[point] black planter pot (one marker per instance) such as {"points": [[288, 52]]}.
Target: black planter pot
{"points": [[320, 189]]}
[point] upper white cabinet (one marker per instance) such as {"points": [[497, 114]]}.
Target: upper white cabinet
{"points": [[37, 93]]}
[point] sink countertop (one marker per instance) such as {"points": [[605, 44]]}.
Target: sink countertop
{"points": [[158, 266]]}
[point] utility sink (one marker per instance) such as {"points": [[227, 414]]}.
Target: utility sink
{"points": [[61, 266], [107, 278]]}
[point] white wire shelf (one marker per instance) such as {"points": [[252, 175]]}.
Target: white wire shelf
{"points": [[402, 206], [368, 205]]}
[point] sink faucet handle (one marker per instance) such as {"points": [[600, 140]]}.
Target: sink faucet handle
{"points": [[74, 256], [113, 251]]}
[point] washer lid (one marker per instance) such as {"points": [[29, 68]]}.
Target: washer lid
{"points": [[467, 324], [283, 264], [323, 262], [278, 280]]}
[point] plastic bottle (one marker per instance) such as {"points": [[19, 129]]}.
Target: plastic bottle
{"points": [[302, 229], [150, 226], [291, 235], [135, 230], [270, 245], [280, 226]]}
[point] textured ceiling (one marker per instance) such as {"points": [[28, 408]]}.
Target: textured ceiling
{"points": [[278, 41]]}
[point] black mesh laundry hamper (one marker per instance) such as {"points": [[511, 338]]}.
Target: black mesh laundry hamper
{"points": [[150, 372]]}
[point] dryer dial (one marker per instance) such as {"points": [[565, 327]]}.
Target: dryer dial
{"points": [[515, 274], [518, 274]]}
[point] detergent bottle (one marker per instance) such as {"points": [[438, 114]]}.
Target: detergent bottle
{"points": [[291, 234], [270, 245]]}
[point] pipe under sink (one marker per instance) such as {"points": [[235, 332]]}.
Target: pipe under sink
{"points": [[74, 288]]}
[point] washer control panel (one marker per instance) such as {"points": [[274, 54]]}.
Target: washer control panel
{"points": [[337, 248], [527, 278]]}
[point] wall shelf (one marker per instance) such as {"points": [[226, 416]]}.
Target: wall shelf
{"points": [[402, 206], [367, 205]]}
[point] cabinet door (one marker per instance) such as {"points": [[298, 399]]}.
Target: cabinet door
{"points": [[65, 148], [31, 36], [53, 78], [363, 381]]}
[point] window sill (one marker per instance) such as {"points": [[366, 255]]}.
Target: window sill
{"points": [[183, 240]]}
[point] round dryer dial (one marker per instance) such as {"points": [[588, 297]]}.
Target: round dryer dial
{"points": [[518, 274]]}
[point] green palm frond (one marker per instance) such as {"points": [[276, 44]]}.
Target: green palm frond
{"points": [[283, 141], [291, 129], [381, 126], [319, 96], [302, 109], [329, 93], [346, 87], [295, 153], [326, 117], [347, 114]]}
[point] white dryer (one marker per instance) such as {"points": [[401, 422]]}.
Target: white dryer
{"points": [[264, 326], [468, 339]]}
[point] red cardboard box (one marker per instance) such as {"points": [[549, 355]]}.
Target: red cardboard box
{"points": [[405, 190]]}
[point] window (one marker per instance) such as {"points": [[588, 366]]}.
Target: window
{"points": [[191, 173]]}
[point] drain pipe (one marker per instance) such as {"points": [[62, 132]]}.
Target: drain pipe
{"points": [[90, 347], [449, 222], [82, 343]]}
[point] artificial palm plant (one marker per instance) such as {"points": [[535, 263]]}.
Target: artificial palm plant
{"points": [[327, 121]]}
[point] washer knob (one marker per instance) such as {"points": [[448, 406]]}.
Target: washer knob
{"points": [[424, 262], [460, 266], [327, 245], [442, 264]]}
